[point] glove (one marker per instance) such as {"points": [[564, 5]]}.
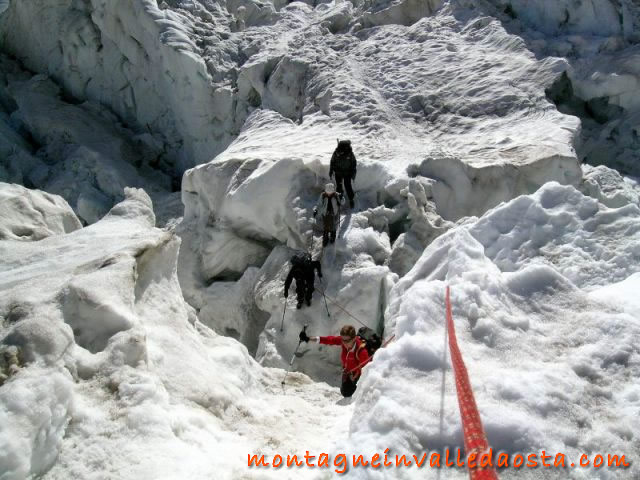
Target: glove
{"points": [[330, 173], [315, 212], [303, 336], [320, 276], [286, 293]]}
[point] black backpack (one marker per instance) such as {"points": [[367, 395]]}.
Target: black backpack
{"points": [[329, 197], [344, 156], [301, 260], [372, 340]]}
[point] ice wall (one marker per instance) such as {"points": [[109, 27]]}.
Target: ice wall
{"points": [[133, 57], [599, 39], [76, 150]]}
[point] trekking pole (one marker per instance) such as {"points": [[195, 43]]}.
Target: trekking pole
{"points": [[325, 299], [310, 242], [284, 310], [293, 358], [337, 235]]}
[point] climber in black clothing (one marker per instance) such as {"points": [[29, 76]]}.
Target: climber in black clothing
{"points": [[343, 165], [302, 270]]}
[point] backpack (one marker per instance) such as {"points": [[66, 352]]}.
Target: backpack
{"points": [[371, 339], [329, 197], [344, 156], [301, 260]]}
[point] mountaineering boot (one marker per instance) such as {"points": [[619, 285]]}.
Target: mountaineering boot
{"points": [[308, 302], [351, 203], [332, 237], [299, 305]]}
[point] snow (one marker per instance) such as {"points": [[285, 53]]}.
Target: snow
{"points": [[33, 215], [155, 342], [609, 187], [134, 383], [557, 226], [546, 359]]}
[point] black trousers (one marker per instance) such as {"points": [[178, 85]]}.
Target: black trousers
{"points": [[329, 230], [348, 386], [341, 177], [304, 291]]}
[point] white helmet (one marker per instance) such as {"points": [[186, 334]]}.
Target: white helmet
{"points": [[329, 188]]}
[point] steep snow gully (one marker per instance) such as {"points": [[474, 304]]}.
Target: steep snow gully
{"points": [[159, 164]]}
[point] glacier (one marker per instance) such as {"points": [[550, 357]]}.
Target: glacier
{"points": [[159, 162]]}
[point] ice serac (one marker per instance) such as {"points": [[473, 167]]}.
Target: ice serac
{"points": [[250, 215], [599, 40], [109, 331], [395, 89], [401, 12], [33, 215], [77, 150], [132, 56], [591, 17]]}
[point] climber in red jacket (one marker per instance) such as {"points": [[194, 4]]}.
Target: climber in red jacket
{"points": [[354, 355]]}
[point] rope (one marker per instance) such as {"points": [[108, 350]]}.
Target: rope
{"points": [[475, 439], [333, 300], [442, 388]]}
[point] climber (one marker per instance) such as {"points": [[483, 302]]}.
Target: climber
{"points": [[343, 165], [354, 355], [302, 270], [329, 208]]}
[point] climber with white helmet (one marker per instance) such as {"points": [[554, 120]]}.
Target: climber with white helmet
{"points": [[329, 209]]}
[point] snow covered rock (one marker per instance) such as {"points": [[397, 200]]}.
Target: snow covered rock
{"points": [[33, 215]]}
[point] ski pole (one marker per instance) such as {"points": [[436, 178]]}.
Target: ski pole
{"points": [[325, 299], [284, 310], [337, 235], [293, 357]]}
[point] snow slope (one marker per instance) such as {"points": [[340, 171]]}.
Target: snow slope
{"points": [[115, 376], [553, 366], [133, 351]]}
